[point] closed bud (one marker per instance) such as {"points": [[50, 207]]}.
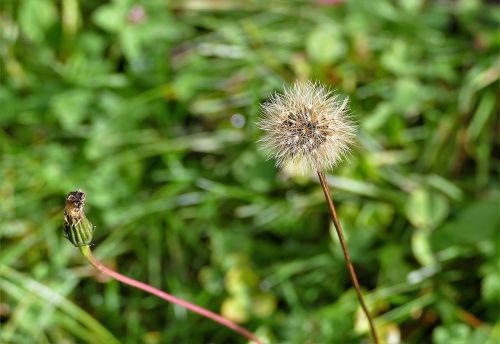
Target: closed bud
{"points": [[77, 228]]}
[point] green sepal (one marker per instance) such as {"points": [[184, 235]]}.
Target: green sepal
{"points": [[80, 233]]}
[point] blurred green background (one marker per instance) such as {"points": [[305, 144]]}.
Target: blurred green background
{"points": [[150, 108]]}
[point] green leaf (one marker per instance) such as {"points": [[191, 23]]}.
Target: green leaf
{"points": [[421, 248], [459, 334], [325, 44], [426, 208], [111, 17], [71, 107], [475, 223], [36, 17], [490, 288]]}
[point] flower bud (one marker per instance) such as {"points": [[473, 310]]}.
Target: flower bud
{"points": [[77, 228]]}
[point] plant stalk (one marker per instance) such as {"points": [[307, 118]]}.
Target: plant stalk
{"points": [[350, 267], [167, 297]]}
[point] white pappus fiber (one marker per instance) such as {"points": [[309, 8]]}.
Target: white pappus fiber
{"points": [[307, 127]]}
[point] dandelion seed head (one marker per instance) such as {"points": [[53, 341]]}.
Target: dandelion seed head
{"points": [[307, 126]]}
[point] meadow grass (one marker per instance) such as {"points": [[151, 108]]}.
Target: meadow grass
{"points": [[151, 107]]}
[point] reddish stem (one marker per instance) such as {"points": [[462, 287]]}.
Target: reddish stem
{"points": [[167, 297], [345, 250]]}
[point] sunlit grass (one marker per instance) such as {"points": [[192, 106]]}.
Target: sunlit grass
{"points": [[137, 112]]}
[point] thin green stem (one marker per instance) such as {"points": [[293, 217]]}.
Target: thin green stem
{"points": [[167, 297], [343, 243]]}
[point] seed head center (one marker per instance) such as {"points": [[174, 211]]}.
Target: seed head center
{"points": [[305, 133]]}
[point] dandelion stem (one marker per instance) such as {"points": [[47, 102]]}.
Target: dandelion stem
{"points": [[167, 297], [350, 267]]}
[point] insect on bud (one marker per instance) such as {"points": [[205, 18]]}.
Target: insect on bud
{"points": [[77, 228]]}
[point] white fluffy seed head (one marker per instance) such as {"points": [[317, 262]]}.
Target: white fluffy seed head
{"points": [[307, 127]]}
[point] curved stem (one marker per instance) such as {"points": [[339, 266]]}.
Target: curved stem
{"points": [[350, 267], [167, 297]]}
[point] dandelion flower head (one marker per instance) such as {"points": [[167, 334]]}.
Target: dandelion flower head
{"points": [[307, 127]]}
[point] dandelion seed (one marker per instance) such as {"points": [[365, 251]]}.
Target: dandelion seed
{"points": [[308, 127]]}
